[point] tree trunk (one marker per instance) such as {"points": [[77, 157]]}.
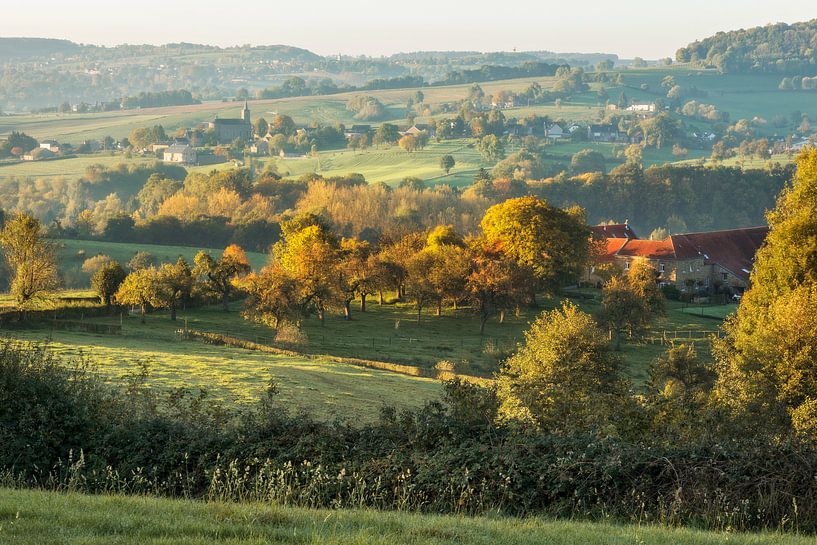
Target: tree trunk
{"points": [[321, 316], [362, 302], [142, 309], [456, 303], [173, 311], [439, 307], [347, 310], [419, 313], [501, 316], [616, 339], [380, 295], [225, 301], [483, 319]]}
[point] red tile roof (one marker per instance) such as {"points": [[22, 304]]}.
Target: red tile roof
{"points": [[651, 249], [732, 249]]}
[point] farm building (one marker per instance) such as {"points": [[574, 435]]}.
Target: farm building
{"points": [[180, 153], [642, 107], [715, 261]]}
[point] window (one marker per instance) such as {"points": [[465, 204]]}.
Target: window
{"points": [[662, 267], [724, 276], [626, 265]]}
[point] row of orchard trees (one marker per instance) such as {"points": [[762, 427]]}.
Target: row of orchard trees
{"points": [[32, 262], [525, 246]]}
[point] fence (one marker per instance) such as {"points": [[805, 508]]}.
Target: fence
{"points": [[671, 336]]}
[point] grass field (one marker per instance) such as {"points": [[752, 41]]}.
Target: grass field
{"points": [[70, 167], [327, 389], [384, 333], [45, 518]]}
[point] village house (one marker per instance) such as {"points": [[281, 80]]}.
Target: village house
{"points": [[180, 153], [356, 130], [51, 145], [711, 262], [417, 128]]}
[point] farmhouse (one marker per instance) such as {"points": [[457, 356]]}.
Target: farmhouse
{"points": [[180, 153], [642, 107], [715, 261], [606, 132], [554, 131], [227, 130], [357, 130]]}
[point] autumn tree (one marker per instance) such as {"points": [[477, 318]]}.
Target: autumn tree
{"points": [[354, 275], [138, 289], [273, 297], [31, 259], [495, 282], [550, 241], [106, 281], [308, 252], [219, 274]]}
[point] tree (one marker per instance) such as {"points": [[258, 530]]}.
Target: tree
{"points": [[273, 296], [219, 274], [138, 288], [767, 364], [564, 378], [631, 302], [261, 127], [447, 163], [634, 154], [386, 133], [587, 160], [408, 143], [175, 284], [308, 253], [660, 130], [551, 242], [491, 148], [495, 282], [354, 274], [31, 259], [106, 281], [419, 285], [141, 260]]}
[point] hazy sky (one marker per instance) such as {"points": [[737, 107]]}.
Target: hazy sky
{"points": [[648, 28]]}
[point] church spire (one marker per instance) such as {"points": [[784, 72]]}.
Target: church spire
{"points": [[245, 113]]}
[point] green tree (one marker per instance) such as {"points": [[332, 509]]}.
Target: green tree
{"points": [[386, 133], [491, 148], [31, 259], [175, 285], [106, 281], [767, 364], [564, 378], [447, 163], [587, 160]]}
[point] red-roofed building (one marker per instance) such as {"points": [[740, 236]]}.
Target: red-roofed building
{"points": [[713, 261]]}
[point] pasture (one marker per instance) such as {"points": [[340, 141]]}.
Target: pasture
{"points": [[29, 517]]}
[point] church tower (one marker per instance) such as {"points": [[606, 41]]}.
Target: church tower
{"points": [[245, 113]]}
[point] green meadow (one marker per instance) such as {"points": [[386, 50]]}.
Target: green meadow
{"points": [[30, 517]]}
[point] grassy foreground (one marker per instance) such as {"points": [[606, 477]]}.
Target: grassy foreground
{"points": [[33, 517]]}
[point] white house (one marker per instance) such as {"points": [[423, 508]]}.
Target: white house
{"points": [[51, 145], [180, 153]]}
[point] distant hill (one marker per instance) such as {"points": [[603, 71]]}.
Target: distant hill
{"points": [[22, 49], [780, 48]]}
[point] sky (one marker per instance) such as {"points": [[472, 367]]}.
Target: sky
{"points": [[650, 29]]}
